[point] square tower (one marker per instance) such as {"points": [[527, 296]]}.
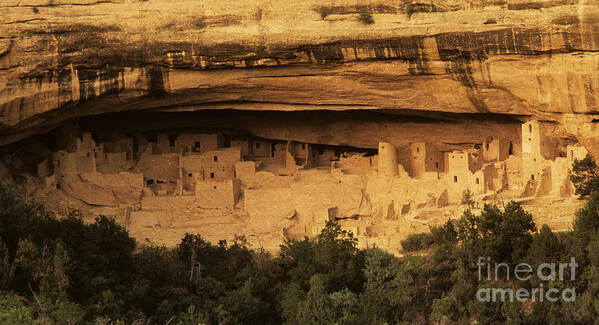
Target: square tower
{"points": [[422, 157], [531, 138], [533, 162]]}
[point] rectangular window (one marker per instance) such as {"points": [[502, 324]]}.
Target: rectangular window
{"points": [[215, 158], [477, 181], [455, 179], [257, 145], [196, 146], [211, 175]]}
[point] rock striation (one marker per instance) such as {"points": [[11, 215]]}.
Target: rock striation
{"points": [[452, 73]]}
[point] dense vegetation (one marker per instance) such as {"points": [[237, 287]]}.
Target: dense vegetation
{"points": [[67, 272]]}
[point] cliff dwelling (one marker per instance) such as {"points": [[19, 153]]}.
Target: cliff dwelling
{"points": [[277, 176], [267, 121]]}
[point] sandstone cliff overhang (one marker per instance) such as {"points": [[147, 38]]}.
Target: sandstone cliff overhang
{"points": [[61, 59]]}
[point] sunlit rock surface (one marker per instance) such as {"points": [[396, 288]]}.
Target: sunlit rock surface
{"points": [[452, 73]]}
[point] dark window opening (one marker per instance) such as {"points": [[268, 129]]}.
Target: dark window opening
{"points": [[95, 155], [58, 186], [417, 149], [272, 150], [477, 181], [257, 145], [149, 182], [487, 145], [529, 128], [532, 177], [455, 179], [197, 146], [436, 165], [511, 149], [303, 146], [190, 175], [171, 142], [159, 182], [211, 175], [321, 151], [226, 140], [215, 187], [88, 154], [215, 158]]}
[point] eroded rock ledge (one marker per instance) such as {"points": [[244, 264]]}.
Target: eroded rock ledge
{"points": [[448, 73], [62, 59]]}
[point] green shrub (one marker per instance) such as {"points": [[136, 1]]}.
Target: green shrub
{"points": [[413, 8], [585, 176], [417, 242], [366, 18]]}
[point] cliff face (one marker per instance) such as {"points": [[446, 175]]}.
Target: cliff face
{"points": [[308, 90], [61, 59]]}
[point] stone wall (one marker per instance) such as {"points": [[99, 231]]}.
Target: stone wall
{"points": [[217, 194]]}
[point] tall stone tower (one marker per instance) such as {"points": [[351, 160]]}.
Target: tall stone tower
{"points": [[532, 160], [387, 159], [531, 138]]}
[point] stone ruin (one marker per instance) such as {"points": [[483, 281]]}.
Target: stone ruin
{"points": [[159, 184]]}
